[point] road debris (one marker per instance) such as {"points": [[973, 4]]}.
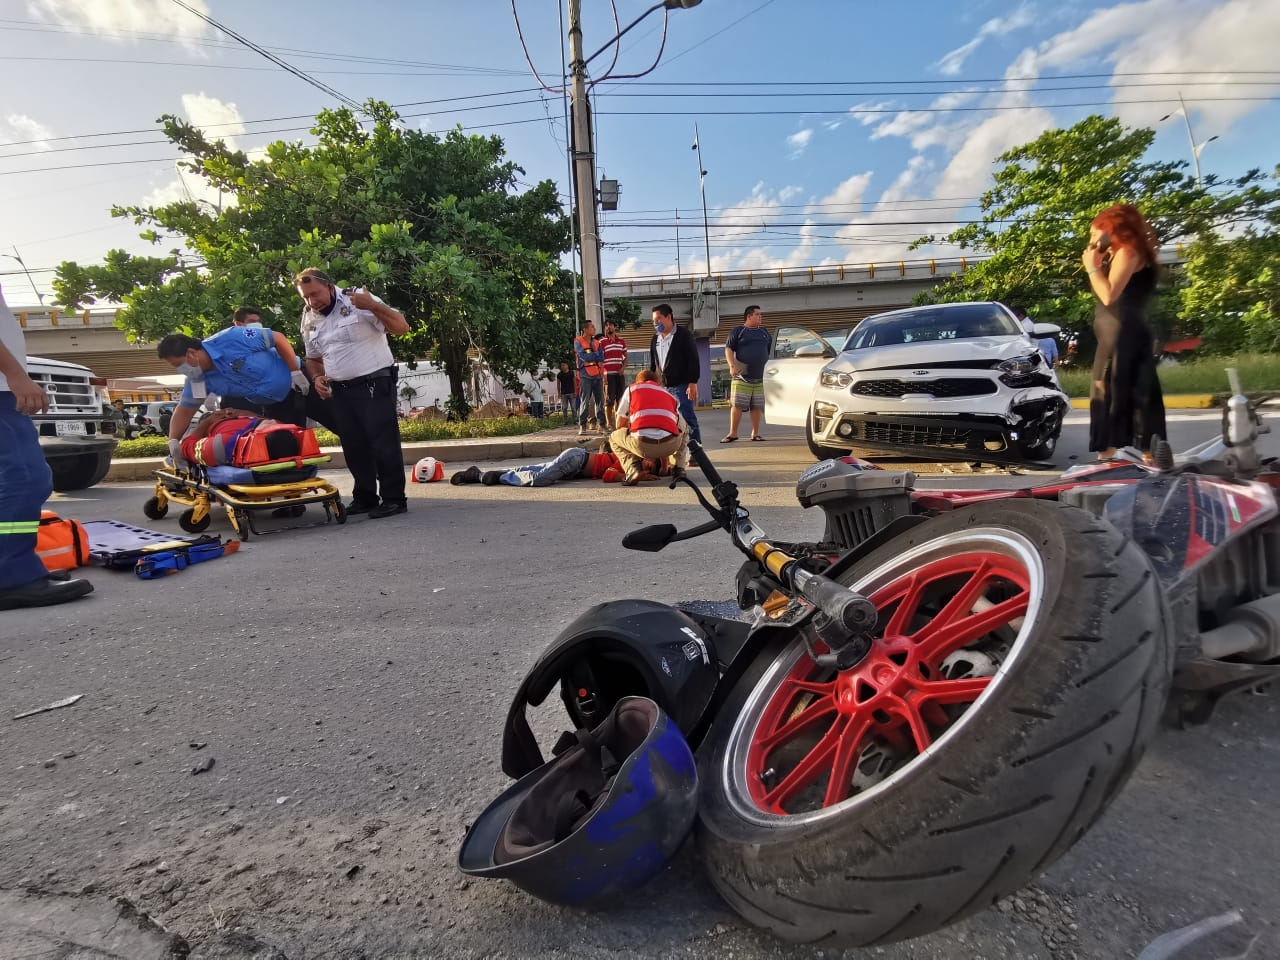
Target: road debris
{"points": [[1169, 945], [202, 766], [53, 706]]}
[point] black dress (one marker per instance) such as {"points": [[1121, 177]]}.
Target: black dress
{"points": [[1131, 404]]}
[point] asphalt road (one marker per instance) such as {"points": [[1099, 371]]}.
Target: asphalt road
{"points": [[350, 683]]}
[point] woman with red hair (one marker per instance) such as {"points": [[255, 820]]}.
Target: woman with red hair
{"points": [[1125, 399]]}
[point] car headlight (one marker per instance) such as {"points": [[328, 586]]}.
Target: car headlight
{"points": [[835, 379], [1020, 366]]}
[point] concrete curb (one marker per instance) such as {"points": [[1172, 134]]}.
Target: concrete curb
{"points": [[531, 449], [1173, 401]]}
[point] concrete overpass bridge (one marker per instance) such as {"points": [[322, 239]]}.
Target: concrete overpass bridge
{"points": [[88, 337], [816, 297]]}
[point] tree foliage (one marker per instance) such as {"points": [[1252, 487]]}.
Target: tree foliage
{"points": [[1035, 223], [434, 225]]}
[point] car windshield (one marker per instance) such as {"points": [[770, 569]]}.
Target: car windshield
{"points": [[934, 323]]}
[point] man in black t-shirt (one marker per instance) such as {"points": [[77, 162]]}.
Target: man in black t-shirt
{"points": [[564, 379], [747, 351]]}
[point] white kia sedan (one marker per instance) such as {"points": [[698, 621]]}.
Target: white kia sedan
{"points": [[952, 380]]}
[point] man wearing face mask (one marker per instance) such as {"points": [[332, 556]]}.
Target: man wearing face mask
{"points": [[673, 355], [249, 368]]}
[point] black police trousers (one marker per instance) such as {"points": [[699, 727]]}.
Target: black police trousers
{"points": [[368, 425]]}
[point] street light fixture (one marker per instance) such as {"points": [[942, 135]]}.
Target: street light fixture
{"points": [[1196, 148], [583, 148]]}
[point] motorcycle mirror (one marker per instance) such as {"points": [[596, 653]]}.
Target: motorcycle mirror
{"points": [[650, 539]]}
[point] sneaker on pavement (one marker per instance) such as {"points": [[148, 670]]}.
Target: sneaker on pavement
{"points": [[357, 507]]}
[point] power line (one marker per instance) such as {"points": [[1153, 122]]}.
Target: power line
{"points": [[300, 74]]}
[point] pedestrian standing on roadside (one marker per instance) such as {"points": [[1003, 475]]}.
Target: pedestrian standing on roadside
{"points": [[747, 351], [615, 370], [345, 334], [586, 348], [568, 398], [1125, 399], [25, 481], [673, 355]]}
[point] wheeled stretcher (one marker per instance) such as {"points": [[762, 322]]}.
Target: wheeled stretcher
{"points": [[244, 492]]}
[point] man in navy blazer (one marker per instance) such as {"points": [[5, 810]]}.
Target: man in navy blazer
{"points": [[673, 355]]}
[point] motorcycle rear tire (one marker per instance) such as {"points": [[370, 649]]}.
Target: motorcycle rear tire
{"points": [[1034, 760]]}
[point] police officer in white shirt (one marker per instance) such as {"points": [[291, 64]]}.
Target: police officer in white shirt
{"points": [[345, 336]]}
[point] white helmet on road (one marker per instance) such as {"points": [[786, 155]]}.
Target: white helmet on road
{"points": [[428, 470]]}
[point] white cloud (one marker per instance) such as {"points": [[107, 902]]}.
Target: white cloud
{"points": [[220, 121], [1186, 41], [19, 128], [799, 140], [951, 63], [752, 215], [848, 193], [933, 127], [111, 17], [867, 113]]}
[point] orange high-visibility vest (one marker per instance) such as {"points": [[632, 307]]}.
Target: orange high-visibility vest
{"points": [[590, 367]]}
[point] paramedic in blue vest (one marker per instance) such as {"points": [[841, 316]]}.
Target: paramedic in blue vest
{"points": [[248, 368], [345, 336], [25, 481], [650, 427]]}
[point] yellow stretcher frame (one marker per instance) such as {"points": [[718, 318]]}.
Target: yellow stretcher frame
{"points": [[240, 501]]}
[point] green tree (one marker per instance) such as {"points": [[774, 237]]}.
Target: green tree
{"points": [[1231, 293], [1035, 220], [435, 225]]}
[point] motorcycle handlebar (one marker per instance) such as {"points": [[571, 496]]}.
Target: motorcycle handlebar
{"points": [[852, 611]]}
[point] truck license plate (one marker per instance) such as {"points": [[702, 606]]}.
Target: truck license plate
{"points": [[70, 428]]}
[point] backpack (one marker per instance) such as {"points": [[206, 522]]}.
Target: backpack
{"points": [[277, 443], [61, 544]]}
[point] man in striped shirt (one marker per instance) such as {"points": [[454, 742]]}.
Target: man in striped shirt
{"points": [[615, 370]]}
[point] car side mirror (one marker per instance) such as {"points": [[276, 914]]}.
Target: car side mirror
{"points": [[813, 350]]}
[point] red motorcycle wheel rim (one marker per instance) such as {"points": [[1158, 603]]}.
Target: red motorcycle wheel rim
{"points": [[817, 724]]}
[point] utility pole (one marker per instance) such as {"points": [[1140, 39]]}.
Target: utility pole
{"points": [[584, 172]]}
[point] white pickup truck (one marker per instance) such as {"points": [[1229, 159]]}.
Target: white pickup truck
{"points": [[78, 432]]}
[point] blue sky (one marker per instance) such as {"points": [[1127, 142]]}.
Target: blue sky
{"points": [[831, 130]]}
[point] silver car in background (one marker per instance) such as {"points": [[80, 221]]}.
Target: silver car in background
{"points": [[953, 380]]}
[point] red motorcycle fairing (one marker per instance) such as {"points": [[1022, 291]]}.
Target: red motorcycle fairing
{"points": [[1179, 521]]}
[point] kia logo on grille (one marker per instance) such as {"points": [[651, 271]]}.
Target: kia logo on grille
{"points": [[920, 373]]}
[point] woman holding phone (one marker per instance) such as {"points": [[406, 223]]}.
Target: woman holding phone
{"points": [[1124, 399]]}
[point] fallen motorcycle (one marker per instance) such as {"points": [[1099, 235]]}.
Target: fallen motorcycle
{"points": [[923, 710]]}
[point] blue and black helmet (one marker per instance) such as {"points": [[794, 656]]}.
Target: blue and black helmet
{"points": [[600, 819]]}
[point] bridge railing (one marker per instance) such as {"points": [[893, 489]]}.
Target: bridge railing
{"points": [[839, 273], [54, 319]]}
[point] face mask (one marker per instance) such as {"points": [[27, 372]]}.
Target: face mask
{"points": [[190, 371], [254, 325], [658, 325]]}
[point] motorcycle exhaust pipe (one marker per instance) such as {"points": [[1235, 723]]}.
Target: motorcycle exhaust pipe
{"points": [[1252, 632]]}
